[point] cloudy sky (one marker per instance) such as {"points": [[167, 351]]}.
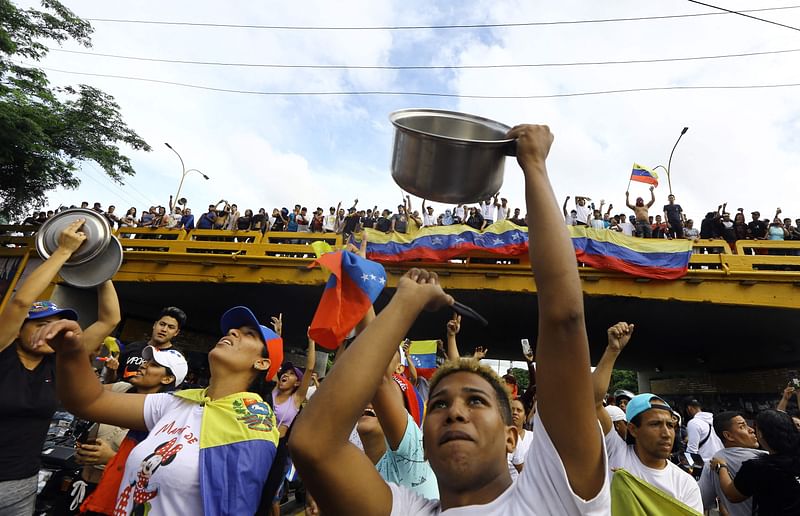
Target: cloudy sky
{"points": [[277, 150]]}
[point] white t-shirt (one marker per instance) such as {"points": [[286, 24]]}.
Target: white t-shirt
{"points": [[428, 220], [460, 212], [330, 223], [542, 488], [627, 228], [583, 213], [162, 472], [598, 224], [520, 452], [502, 213], [672, 479], [487, 210]]}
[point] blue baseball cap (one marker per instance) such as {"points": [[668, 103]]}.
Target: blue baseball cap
{"points": [[644, 402], [42, 309], [239, 316]]}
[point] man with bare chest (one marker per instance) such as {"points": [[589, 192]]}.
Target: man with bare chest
{"points": [[643, 228]]}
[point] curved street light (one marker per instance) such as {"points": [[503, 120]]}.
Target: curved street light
{"points": [[184, 172], [669, 180]]}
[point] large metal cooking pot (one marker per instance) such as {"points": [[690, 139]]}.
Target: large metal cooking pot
{"points": [[97, 259], [449, 157]]}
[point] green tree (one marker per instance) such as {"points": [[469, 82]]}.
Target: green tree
{"points": [[46, 132], [522, 378], [624, 379]]}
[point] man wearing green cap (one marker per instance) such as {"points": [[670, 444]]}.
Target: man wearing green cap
{"points": [[651, 431]]}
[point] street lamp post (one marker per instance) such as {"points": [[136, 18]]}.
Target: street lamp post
{"points": [[184, 172], [669, 180]]}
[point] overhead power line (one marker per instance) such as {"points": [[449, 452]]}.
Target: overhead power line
{"points": [[428, 27], [425, 94], [427, 67], [742, 13]]}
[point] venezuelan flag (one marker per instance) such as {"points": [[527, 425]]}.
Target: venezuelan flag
{"points": [[644, 175], [598, 248], [440, 243], [353, 286], [423, 354], [238, 433]]}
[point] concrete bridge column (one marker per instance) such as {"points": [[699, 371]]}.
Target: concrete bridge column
{"points": [[643, 377]]}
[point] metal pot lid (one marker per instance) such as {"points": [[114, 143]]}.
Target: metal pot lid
{"points": [[96, 228], [451, 125], [96, 271]]}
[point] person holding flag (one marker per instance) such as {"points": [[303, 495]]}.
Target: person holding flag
{"points": [[643, 228]]}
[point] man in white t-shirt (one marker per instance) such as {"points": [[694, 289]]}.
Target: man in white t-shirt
{"points": [[428, 218], [626, 227], [651, 430], [502, 209], [487, 209], [468, 426]]}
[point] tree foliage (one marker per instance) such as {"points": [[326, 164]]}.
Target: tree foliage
{"points": [[45, 131], [624, 379]]}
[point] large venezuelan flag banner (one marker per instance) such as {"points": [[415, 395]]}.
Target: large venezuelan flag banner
{"points": [[599, 248]]}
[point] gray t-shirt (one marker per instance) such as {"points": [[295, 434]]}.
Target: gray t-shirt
{"points": [[709, 480]]}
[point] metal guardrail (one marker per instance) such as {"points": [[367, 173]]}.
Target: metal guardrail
{"points": [[748, 256]]}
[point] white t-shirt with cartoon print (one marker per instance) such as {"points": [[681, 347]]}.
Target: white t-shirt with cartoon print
{"points": [[541, 489], [162, 473]]}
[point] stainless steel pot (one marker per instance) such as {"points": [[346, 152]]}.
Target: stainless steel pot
{"points": [[96, 260], [449, 157]]}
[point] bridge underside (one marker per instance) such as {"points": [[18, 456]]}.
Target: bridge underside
{"points": [[671, 336]]}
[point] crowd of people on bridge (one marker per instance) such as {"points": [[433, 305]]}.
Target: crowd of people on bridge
{"points": [[374, 437], [672, 222]]}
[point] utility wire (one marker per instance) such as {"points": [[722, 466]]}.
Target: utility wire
{"points": [[426, 67], [425, 94], [429, 27], [741, 13]]}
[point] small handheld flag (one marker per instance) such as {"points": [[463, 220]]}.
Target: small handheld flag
{"points": [[353, 286], [644, 175], [423, 355]]}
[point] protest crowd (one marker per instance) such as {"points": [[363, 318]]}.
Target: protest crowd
{"points": [[671, 222], [373, 435]]}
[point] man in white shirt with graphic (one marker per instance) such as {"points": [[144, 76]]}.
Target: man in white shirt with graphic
{"points": [[468, 427], [428, 218], [651, 430]]}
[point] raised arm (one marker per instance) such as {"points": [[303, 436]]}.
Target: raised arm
{"points": [[341, 398], [412, 370], [652, 197], [16, 311], [564, 207], [453, 327], [563, 350], [628, 201], [311, 361], [618, 337], [78, 388], [530, 393], [785, 397], [108, 316]]}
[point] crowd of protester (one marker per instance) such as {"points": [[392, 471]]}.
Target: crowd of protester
{"points": [[357, 437], [672, 222]]}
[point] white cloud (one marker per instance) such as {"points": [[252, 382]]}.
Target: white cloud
{"points": [[275, 151]]}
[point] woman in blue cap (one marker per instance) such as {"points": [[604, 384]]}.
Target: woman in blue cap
{"points": [[208, 451], [27, 387]]}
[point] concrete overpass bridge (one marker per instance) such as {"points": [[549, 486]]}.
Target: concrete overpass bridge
{"points": [[734, 316]]}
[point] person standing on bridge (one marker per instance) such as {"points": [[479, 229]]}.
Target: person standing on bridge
{"points": [[468, 428], [642, 221], [27, 372]]}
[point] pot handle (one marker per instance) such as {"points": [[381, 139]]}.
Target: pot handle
{"points": [[510, 148]]}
